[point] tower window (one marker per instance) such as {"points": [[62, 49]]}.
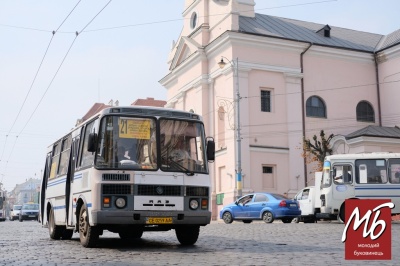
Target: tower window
{"points": [[193, 20]]}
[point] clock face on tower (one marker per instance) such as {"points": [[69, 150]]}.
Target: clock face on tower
{"points": [[193, 20]]}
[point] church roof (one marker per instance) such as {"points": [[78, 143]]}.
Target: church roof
{"points": [[304, 31], [376, 131]]}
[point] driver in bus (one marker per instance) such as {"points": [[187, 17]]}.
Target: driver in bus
{"points": [[179, 153], [338, 179]]}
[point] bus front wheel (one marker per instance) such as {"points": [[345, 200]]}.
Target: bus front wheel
{"points": [[88, 234], [187, 235]]}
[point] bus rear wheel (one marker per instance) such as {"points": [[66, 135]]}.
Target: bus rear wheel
{"points": [[88, 234], [55, 231], [187, 235]]}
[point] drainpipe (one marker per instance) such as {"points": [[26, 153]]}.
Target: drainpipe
{"points": [[303, 111], [378, 91]]}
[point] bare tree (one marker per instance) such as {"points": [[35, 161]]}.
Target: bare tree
{"points": [[316, 150]]}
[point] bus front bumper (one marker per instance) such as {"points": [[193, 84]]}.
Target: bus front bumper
{"points": [[150, 218]]}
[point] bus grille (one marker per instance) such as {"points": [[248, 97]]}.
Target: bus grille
{"points": [[155, 190], [116, 177], [116, 189], [197, 191]]}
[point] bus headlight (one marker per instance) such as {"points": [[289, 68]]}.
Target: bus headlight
{"points": [[193, 204], [120, 203]]}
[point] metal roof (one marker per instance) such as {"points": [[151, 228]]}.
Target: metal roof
{"points": [[310, 32], [376, 131]]}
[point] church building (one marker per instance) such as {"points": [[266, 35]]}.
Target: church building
{"points": [[263, 83]]}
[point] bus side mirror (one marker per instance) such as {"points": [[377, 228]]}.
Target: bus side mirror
{"points": [[92, 142], [210, 150]]}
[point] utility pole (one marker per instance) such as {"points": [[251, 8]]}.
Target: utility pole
{"points": [[238, 138]]}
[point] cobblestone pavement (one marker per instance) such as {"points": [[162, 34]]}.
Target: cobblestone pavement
{"points": [[27, 243]]}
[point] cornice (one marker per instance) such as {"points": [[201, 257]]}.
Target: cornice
{"points": [[331, 52], [391, 53], [268, 149], [232, 38], [373, 140]]}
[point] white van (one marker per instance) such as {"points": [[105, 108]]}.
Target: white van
{"points": [[309, 201], [14, 214]]}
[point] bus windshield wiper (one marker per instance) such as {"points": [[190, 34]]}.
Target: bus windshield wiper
{"points": [[179, 166]]}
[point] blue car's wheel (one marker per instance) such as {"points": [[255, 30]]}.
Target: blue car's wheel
{"points": [[268, 217], [227, 217]]}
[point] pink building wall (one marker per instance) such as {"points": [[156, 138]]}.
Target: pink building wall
{"points": [[341, 78]]}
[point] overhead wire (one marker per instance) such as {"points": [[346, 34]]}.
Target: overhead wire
{"points": [[30, 88], [169, 20]]}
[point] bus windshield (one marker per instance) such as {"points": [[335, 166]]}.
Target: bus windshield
{"points": [[182, 146], [132, 143], [127, 143], [326, 177]]}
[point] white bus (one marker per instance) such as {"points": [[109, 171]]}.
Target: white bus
{"points": [[359, 176], [118, 171]]}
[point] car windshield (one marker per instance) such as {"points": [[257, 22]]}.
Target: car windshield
{"points": [[31, 207], [17, 207]]}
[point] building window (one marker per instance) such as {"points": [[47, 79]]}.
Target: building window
{"points": [[315, 107], [265, 101], [365, 112], [267, 170]]}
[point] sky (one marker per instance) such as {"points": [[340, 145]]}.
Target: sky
{"points": [[48, 81]]}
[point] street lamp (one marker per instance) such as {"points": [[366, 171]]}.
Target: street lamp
{"points": [[235, 66]]}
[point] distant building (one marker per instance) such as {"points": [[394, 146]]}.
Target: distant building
{"points": [[25, 192], [150, 102], [97, 107]]}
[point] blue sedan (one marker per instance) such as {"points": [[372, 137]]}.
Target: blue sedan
{"points": [[261, 206]]}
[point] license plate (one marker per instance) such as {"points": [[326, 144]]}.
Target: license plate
{"points": [[32, 215], [159, 220], [293, 205]]}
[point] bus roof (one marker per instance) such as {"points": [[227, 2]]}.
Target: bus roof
{"points": [[372, 155]]}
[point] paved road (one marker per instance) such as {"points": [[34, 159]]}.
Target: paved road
{"points": [[27, 243]]}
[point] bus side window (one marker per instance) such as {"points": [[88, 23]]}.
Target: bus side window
{"points": [[342, 174], [87, 157]]}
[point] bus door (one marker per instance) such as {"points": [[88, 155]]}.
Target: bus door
{"points": [[43, 188], [69, 205], [343, 181]]}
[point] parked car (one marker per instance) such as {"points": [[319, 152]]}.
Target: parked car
{"points": [[261, 206], [14, 214], [29, 211]]}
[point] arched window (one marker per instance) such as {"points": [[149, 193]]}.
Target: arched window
{"points": [[365, 112], [315, 107]]}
